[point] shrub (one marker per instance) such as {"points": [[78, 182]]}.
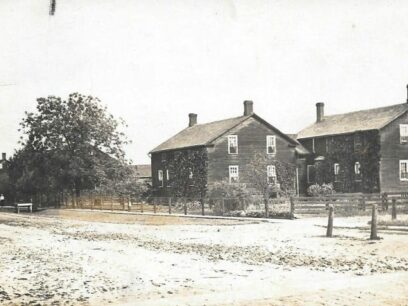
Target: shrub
{"points": [[317, 190]]}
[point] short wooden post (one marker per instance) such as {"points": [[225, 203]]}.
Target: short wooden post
{"points": [[202, 206], [222, 206], [169, 206], [394, 209], [329, 232], [363, 203], [154, 205], [130, 203], [292, 207], [141, 207], [185, 207], [373, 235]]}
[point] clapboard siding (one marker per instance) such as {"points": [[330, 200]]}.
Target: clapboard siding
{"points": [[251, 140], [392, 151]]}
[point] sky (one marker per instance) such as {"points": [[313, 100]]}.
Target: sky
{"points": [[153, 62]]}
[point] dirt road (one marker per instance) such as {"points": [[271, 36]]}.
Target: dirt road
{"points": [[62, 257]]}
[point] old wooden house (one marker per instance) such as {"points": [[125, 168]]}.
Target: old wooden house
{"points": [[203, 154], [362, 151]]}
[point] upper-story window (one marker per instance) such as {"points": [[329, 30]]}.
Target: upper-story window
{"points": [[358, 141], [271, 174], [232, 144], [233, 174], [160, 177], [404, 170], [270, 144], [403, 133], [190, 173], [163, 156]]}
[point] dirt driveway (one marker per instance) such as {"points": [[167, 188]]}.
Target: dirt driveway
{"points": [[62, 257]]}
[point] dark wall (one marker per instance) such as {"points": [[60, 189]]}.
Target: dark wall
{"points": [[251, 140], [391, 153]]}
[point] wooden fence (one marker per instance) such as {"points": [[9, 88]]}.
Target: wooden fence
{"points": [[347, 204]]}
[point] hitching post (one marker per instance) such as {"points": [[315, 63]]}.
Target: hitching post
{"points": [[169, 206], [292, 207], [329, 232], [394, 209], [373, 235]]}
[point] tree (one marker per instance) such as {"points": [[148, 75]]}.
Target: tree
{"points": [[257, 176], [72, 144]]}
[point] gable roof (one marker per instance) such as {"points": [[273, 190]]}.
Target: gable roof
{"points": [[364, 120], [205, 134]]}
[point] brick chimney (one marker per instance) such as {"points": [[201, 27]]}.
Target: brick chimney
{"points": [[248, 108], [192, 119], [319, 111], [3, 156]]}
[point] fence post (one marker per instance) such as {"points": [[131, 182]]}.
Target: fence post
{"points": [[185, 207], [154, 205], [202, 206], [292, 207], [222, 206], [329, 232], [385, 201], [373, 235], [169, 206], [394, 209], [141, 207], [130, 203]]}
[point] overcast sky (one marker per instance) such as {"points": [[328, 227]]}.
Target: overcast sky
{"points": [[153, 62]]}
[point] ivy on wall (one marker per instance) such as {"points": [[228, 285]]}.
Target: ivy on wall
{"points": [[345, 151], [188, 173]]}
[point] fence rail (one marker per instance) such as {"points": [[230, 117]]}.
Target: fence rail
{"points": [[349, 204]]}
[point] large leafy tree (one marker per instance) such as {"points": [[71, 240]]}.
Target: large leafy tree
{"points": [[71, 144]]}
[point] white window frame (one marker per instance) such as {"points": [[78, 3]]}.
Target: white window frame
{"points": [[271, 173], [336, 168], [308, 173], [231, 140], [400, 168], [167, 175], [403, 133], [160, 177], [190, 173], [357, 168], [271, 142], [233, 172]]}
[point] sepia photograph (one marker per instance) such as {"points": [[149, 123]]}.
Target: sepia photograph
{"points": [[218, 152]]}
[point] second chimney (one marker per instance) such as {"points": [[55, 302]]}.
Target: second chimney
{"points": [[3, 156], [248, 108], [192, 119], [319, 111]]}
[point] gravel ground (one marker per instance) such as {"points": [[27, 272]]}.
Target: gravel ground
{"points": [[63, 257]]}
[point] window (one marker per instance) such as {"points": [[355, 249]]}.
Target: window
{"points": [[271, 174], [160, 177], [404, 170], [403, 133], [190, 173], [233, 174], [233, 144], [357, 141], [167, 175], [336, 168], [270, 144], [311, 174], [357, 168]]}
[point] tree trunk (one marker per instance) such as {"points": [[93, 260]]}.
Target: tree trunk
{"points": [[266, 207]]}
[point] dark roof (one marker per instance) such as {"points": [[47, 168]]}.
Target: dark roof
{"points": [[300, 149], [364, 120], [205, 134], [143, 170]]}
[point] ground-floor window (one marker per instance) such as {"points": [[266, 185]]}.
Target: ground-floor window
{"points": [[336, 169], [233, 174], [404, 170], [357, 171], [311, 174], [271, 174], [160, 177]]}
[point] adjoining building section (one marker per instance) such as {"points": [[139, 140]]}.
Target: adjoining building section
{"points": [[362, 151]]}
